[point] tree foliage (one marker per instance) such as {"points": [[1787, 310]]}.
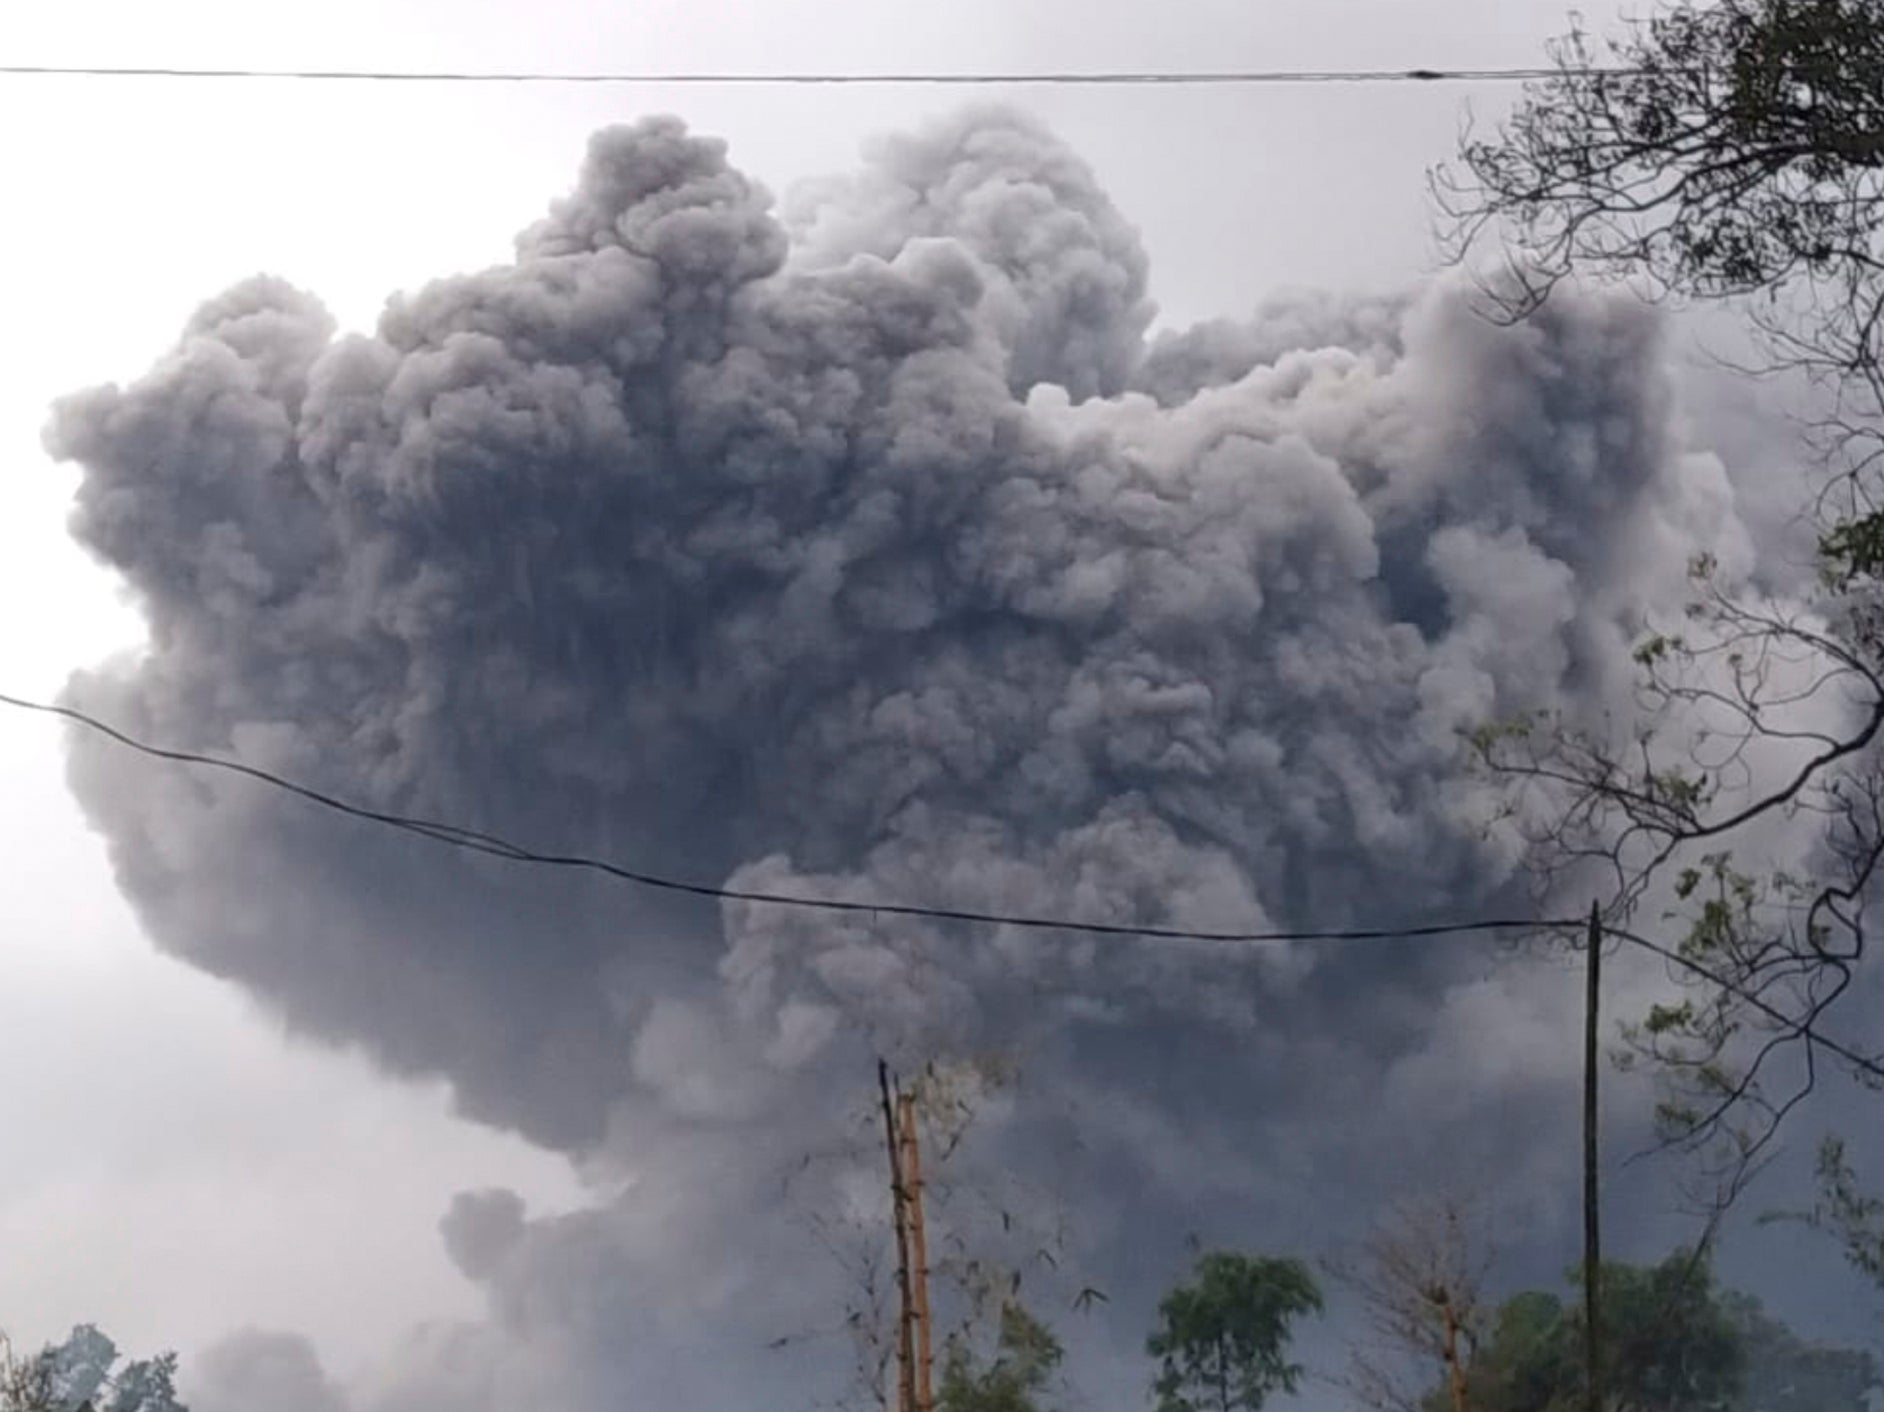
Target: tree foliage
{"points": [[1851, 1215], [1748, 720], [83, 1374], [1222, 1340], [1026, 1356], [1727, 150], [1673, 1343], [1715, 150]]}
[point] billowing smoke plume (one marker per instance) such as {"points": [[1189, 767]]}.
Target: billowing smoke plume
{"points": [[871, 549]]}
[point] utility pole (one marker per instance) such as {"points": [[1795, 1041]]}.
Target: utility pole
{"points": [[905, 1323], [1592, 1239]]}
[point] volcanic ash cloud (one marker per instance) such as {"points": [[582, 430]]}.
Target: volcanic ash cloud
{"points": [[873, 549]]}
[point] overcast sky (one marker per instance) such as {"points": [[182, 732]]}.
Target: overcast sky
{"points": [[173, 1165]]}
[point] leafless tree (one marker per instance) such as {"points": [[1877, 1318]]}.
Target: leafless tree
{"points": [[1419, 1278]]}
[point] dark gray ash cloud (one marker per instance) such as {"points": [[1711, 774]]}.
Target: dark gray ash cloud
{"points": [[866, 545]]}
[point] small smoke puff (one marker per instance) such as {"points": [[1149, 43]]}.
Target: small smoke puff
{"points": [[262, 1369], [481, 1228]]}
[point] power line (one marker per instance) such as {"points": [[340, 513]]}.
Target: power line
{"points": [[1191, 78], [477, 841]]}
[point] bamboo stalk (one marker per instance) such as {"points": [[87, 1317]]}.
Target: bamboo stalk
{"points": [[918, 1251], [905, 1349]]}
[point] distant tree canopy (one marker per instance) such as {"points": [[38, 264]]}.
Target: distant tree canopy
{"points": [[1673, 1342], [83, 1374], [1786, 1374], [1222, 1340]]}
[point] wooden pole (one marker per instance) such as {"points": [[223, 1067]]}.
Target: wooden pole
{"points": [[1592, 1239], [905, 1349], [918, 1251]]}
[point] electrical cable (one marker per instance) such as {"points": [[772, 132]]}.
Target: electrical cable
{"points": [[1065, 78], [478, 841]]}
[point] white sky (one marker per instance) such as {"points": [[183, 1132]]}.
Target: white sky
{"points": [[170, 1165]]}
